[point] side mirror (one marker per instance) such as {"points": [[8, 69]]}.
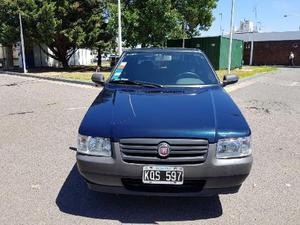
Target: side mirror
{"points": [[230, 79], [98, 78]]}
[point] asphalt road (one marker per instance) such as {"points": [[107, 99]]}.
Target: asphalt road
{"points": [[41, 185]]}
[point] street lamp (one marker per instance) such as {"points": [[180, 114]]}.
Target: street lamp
{"points": [[231, 34], [22, 45], [120, 50], [295, 15]]}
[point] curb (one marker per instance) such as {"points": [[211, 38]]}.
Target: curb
{"points": [[255, 76], [48, 78]]}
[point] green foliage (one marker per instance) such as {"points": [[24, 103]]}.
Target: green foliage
{"points": [[65, 25], [150, 22], [196, 14], [153, 22], [9, 23]]}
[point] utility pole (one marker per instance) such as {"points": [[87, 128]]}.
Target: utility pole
{"points": [[183, 26], [221, 19], [22, 45], [255, 29], [231, 34], [183, 34], [120, 50], [251, 50]]}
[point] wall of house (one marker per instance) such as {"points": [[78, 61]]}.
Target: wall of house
{"points": [[9, 56], [82, 56], [40, 58], [272, 52]]}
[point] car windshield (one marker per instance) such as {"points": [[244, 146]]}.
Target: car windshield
{"points": [[165, 68]]}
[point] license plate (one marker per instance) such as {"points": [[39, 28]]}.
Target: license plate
{"points": [[163, 175]]}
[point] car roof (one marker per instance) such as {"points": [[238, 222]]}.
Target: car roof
{"points": [[164, 50]]}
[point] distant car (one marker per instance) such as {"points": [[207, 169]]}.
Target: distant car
{"points": [[103, 58], [164, 125]]}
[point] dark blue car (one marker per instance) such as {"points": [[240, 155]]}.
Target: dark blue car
{"points": [[164, 125]]}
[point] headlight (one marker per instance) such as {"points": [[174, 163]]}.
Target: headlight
{"points": [[97, 146], [233, 148]]}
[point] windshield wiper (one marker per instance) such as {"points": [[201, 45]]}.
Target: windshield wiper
{"points": [[135, 82]]}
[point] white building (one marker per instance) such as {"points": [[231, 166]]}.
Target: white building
{"points": [[12, 51], [246, 26], [82, 57]]}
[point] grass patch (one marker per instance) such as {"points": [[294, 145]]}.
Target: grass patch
{"points": [[81, 76], [247, 71]]}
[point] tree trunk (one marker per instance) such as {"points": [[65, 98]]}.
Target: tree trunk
{"points": [[99, 59], [8, 56], [60, 53], [65, 63]]}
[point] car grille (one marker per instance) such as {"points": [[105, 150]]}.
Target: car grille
{"points": [[182, 151]]}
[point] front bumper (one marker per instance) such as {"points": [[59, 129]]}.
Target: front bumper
{"points": [[214, 176]]}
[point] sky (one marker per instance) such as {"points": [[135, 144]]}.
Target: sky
{"points": [[270, 14]]}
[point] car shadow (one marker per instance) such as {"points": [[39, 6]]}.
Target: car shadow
{"points": [[76, 199]]}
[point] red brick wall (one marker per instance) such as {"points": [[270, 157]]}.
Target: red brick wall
{"points": [[272, 52]]}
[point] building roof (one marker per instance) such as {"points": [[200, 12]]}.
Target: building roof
{"points": [[268, 36]]}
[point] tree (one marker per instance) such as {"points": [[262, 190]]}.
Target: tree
{"points": [[150, 22], [9, 27], [101, 35], [63, 26], [9, 32], [66, 25], [196, 14], [153, 22]]}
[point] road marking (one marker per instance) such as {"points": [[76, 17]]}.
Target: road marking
{"points": [[294, 84], [239, 86]]}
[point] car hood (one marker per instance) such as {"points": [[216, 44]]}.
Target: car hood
{"points": [[207, 113]]}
